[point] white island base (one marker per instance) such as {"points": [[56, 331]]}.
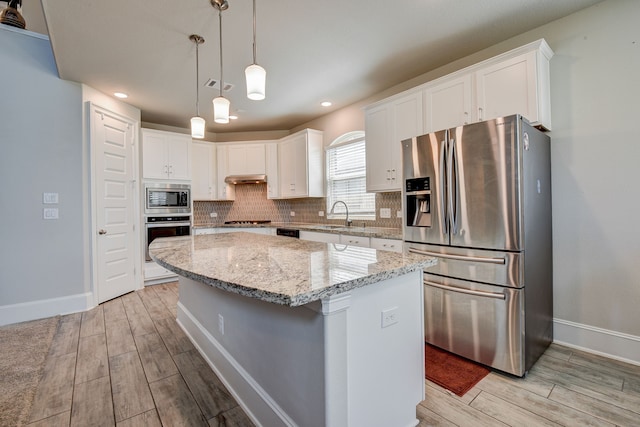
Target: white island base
{"points": [[351, 359]]}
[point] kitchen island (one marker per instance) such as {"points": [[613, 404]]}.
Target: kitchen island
{"points": [[304, 333]]}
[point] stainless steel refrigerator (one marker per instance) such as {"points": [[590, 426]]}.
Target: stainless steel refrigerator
{"points": [[478, 197]]}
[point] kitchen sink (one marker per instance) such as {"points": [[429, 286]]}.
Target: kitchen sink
{"points": [[328, 226]]}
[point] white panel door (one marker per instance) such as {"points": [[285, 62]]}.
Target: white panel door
{"points": [[113, 174]]}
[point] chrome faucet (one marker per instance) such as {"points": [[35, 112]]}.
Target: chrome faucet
{"points": [[347, 221]]}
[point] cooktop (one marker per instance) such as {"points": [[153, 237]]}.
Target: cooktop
{"points": [[249, 221]]}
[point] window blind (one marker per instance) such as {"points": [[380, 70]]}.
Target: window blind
{"points": [[346, 180]]}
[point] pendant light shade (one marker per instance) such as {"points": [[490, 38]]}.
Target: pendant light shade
{"points": [[221, 109], [197, 122], [197, 127], [256, 82], [256, 75], [220, 103]]}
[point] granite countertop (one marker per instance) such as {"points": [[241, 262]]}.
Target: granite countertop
{"points": [[379, 232], [280, 269]]}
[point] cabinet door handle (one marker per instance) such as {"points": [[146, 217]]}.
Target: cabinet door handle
{"points": [[102, 231], [479, 114]]}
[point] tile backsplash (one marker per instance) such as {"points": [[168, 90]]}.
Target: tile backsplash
{"points": [[252, 204]]}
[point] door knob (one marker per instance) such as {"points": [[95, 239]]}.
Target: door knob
{"points": [[102, 231]]}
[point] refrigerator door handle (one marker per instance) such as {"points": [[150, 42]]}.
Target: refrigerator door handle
{"points": [[444, 221], [496, 295], [458, 257], [450, 178], [454, 187]]}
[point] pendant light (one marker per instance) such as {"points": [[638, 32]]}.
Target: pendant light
{"points": [[197, 122], [220, 103], [255, 74]]}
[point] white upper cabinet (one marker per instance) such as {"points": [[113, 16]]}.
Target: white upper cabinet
{"points": [[271, 167], [246, 159], [517, 85], [386, 125], [224, 191], [203, 171], [448, 103], [516, 82], [166, 155], [301, 165]]}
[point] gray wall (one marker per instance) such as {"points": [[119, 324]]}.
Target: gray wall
{"points": [[40, 151], [595, 153]]}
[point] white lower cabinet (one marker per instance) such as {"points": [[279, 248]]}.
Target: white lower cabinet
{"points": [[218, 230], [319, 237], [386, 244], [361, 241], [154, 274]]}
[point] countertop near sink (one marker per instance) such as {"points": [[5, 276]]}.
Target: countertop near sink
{"points": [[379, 232]]}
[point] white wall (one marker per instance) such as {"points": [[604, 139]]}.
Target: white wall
{"points": [[595, 173], [41, 151]]}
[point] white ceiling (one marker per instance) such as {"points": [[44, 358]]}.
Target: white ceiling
{"points": [[342, 51]]}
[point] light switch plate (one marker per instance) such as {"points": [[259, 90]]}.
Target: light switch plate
{"points": [[50, 198]]}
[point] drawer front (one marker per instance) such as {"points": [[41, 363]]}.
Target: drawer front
{"points": [[386, 244]]}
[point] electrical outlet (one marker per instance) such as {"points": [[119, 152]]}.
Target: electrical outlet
{"points": [[220, 324], [385, 213], [213, 214], [399, 214], [292, 213], [320, 213], [389, 317]]}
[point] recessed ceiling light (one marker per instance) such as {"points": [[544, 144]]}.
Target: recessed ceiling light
{"points": [[325, 104], [232, 117], [120, 95]]}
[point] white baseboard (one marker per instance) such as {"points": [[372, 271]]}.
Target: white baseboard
{"points": [[616, 345], [40, 309], [247, 392]]}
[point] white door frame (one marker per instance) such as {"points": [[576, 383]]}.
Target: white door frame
{"points": [[92, 108]]}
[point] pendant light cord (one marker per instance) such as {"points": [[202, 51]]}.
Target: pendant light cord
{"points": [[197, 78], [254, 32], [221, 69]]}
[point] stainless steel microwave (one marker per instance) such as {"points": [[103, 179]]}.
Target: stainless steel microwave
{"points": [[164, 198]]}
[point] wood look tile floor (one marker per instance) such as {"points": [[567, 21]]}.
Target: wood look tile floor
{"points": [[128, 363]]}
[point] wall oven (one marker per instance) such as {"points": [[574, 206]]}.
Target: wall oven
{"points": [[165, 226], [165, 198]]}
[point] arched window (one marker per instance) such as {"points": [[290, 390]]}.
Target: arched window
{"points": [[347, 176]]}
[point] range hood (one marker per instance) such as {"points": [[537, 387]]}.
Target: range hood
{"points": [[246, 179]]}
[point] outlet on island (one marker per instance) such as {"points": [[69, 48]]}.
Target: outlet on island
{"points": [[389, 317], [220, 324]]}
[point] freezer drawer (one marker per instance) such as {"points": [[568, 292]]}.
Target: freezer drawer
{"points": [[481, 322], [494, 267]]}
